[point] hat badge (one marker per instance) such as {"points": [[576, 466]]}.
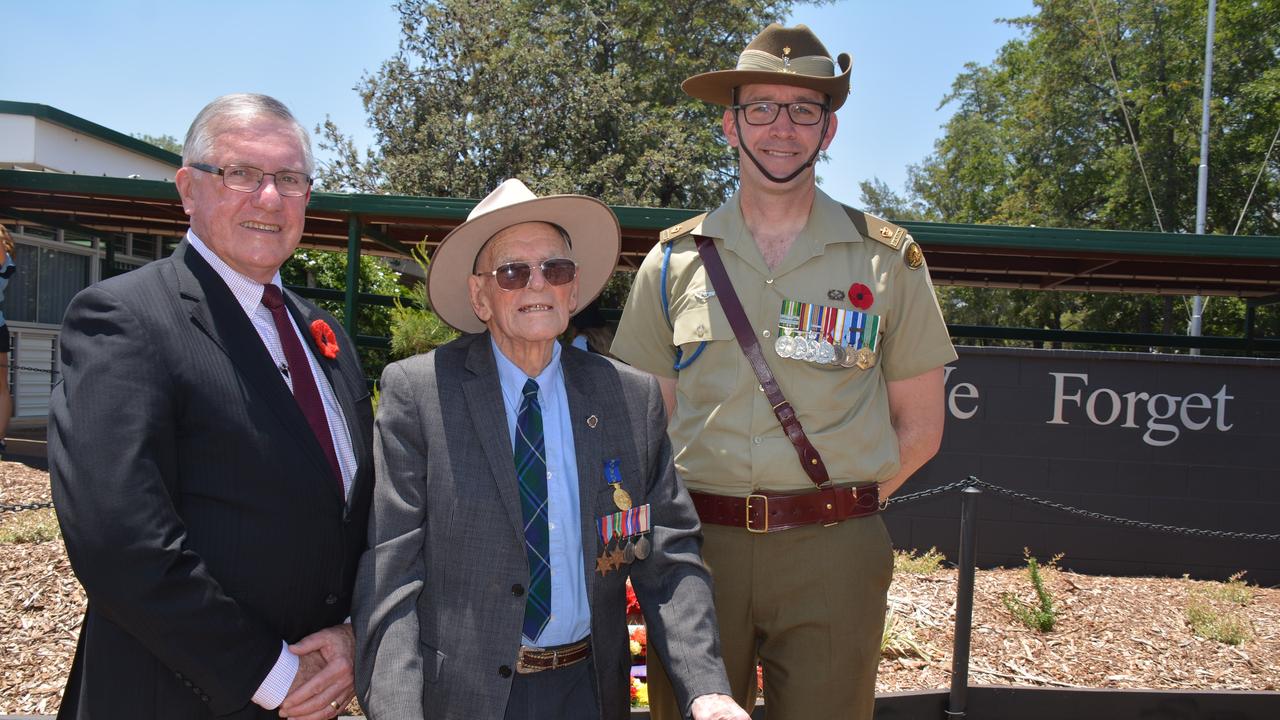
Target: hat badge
{"points": [[786, 59]]}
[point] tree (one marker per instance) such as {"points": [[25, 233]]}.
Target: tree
{"points": [[164, 142], [1039, 138], [569, 96]]}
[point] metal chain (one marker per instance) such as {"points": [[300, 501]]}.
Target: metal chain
{"points": [[28, 506], [975, 482], [959, 485], [34, 369], [1088, 514]]}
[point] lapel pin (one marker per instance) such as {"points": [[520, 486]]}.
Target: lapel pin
{"points": [[592, 421]]}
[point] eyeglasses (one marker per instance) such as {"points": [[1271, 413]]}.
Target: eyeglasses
{"points": [[764, 113], [244, 178], [516, 275]]}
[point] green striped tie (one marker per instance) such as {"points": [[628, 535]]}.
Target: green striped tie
{"points": [[531, 471]]}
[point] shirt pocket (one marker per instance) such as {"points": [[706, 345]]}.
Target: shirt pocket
{"points": [[698, 318]]}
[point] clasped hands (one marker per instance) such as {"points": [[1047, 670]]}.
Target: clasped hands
{"points": [[325, 682]]}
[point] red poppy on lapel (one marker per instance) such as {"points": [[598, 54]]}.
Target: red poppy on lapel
{"points": [[860, 296], [325, 339]]}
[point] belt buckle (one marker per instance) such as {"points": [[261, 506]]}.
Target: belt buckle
{"points": [[765, 498]]}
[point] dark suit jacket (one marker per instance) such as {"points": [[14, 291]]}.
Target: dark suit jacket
{"points": [[197, 507], [440, 596]]}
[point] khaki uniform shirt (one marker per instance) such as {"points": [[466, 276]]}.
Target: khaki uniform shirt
{"points": [[726, 437]]}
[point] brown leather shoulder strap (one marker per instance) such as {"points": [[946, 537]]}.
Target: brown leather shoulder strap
{"points": [[810, 460]]}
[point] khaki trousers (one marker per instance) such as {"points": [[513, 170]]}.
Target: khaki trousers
{"points": [[809, 603]]}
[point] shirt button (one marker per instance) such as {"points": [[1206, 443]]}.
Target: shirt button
{"points": [[551, 526], [700, 331], [765, 333], [517, 590], [756, 440], [504, 671], [331, 599], [769, 281]]}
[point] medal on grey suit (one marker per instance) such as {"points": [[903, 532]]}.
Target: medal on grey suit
{"points": [[642, 547], [613, 476]]}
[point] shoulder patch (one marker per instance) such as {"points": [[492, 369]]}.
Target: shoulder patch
{"points": [[880, 230], [685, 228]]}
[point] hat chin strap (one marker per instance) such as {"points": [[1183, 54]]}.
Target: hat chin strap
{"points": [[826, 121]]}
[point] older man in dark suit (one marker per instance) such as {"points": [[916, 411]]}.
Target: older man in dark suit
{"points": [[519, 484], [211, 454]]}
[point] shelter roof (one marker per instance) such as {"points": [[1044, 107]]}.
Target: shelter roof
{"points": [[970, 255]]}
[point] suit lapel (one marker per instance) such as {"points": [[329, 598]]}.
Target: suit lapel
{"points": [[483, 391], [585, 387], [217, 313]]}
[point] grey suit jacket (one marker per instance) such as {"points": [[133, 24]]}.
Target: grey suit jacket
{"points": [[440, 592]]}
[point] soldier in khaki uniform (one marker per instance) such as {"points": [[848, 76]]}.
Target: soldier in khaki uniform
{"points": [[844, 311]]}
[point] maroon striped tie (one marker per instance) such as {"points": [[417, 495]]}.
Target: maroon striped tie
{"points": [[304, 384]]}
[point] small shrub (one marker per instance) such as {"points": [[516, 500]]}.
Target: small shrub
{"points": [[1039, 615], [1215, 611], [911, 563], [1235, 590], [29, 526], [898, 640], [415, 328], [1211, 623]]}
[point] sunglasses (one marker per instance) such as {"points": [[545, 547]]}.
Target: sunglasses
{"points": [[516, 275]]}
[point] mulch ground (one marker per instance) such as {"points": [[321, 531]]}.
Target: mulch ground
{"points": [[1110, 632]]}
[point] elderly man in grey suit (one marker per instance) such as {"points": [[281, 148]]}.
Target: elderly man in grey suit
{"points": [[519, 483]]}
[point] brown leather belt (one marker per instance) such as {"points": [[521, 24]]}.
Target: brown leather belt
{"points": [[766, 512], [533, 660]]}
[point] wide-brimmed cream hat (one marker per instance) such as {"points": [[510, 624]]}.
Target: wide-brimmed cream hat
{"points": [[778, 56], [594, 237]]}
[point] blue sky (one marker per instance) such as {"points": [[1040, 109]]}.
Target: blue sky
{"points": [[142, 66]]}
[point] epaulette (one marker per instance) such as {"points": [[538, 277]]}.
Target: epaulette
{"points": [[885, 232], [685, 228]]}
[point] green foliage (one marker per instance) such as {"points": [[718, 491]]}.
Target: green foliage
{"points": [[29, 526], [1038, 138], [1211, 622], [1234, 591], [414, 328], [1039, 615], [1216, 610], [164, 142], [913, 563], [569, 96]]}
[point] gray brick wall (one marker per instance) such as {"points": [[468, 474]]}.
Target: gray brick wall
{"points": [[1168, 439]]}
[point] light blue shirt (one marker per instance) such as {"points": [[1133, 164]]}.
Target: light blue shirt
{"points": [[570, 614]]}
